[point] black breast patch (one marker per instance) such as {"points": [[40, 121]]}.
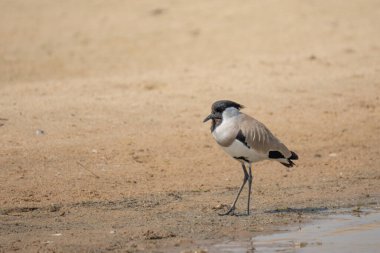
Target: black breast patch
{"points": [[275, 155], [240, 137], [242, 158]]}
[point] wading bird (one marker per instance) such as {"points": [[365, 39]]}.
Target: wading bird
{"points": [[247, 140]]}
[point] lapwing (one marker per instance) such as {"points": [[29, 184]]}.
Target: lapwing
{"points": [[247, 140]]}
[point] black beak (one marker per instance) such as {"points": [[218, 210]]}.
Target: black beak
{"points": [[211, 116]]}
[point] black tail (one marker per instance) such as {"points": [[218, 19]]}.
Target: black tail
{"points": [[294, 156]]}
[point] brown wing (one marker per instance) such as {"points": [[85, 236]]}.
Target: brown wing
{"points": [[258, 137]]}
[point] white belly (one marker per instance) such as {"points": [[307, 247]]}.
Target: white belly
{"points": [[238, 149]]}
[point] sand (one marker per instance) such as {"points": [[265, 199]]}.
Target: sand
{"points": [[102, 142]]}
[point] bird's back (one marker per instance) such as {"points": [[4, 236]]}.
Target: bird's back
{"points": [[259, 137]]}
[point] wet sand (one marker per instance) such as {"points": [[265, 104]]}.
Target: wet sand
{"points": [[102, 103], [341, 230]]}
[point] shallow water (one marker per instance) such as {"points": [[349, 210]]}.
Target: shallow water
{"points": [[336, 233], [350, 232]]}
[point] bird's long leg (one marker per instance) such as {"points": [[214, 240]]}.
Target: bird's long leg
{"points": [[232, 208], [250, 179]]}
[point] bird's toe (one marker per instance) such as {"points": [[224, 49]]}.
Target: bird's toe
{"points": [[231, 212]]}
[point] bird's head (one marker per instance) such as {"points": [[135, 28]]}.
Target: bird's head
{"points": [[217, 110]]}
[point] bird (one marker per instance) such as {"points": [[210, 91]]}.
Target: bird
{"points": [[247, 140]]}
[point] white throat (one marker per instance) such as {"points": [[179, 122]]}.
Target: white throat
{"points": [[224, 133]]}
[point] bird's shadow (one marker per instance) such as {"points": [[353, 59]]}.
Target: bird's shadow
{"points": [[236, 214], [297, 210]]}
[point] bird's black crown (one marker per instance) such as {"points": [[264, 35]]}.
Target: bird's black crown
{"points": [[221, 105]]}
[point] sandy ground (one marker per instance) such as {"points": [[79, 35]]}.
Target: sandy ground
{"points": [[120, 89]]}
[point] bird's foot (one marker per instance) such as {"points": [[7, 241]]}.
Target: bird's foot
{"points": [[230, 211]]}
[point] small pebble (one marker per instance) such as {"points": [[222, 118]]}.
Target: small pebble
{"points": [[220, 206], [54, 207], [40, 132]]}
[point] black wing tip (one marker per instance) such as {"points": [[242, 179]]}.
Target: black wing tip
{"points": [[294, 156], [290, 163], [279, 155], [275, 155]]}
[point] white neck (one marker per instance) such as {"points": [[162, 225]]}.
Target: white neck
{"points": [[230, 112]]}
